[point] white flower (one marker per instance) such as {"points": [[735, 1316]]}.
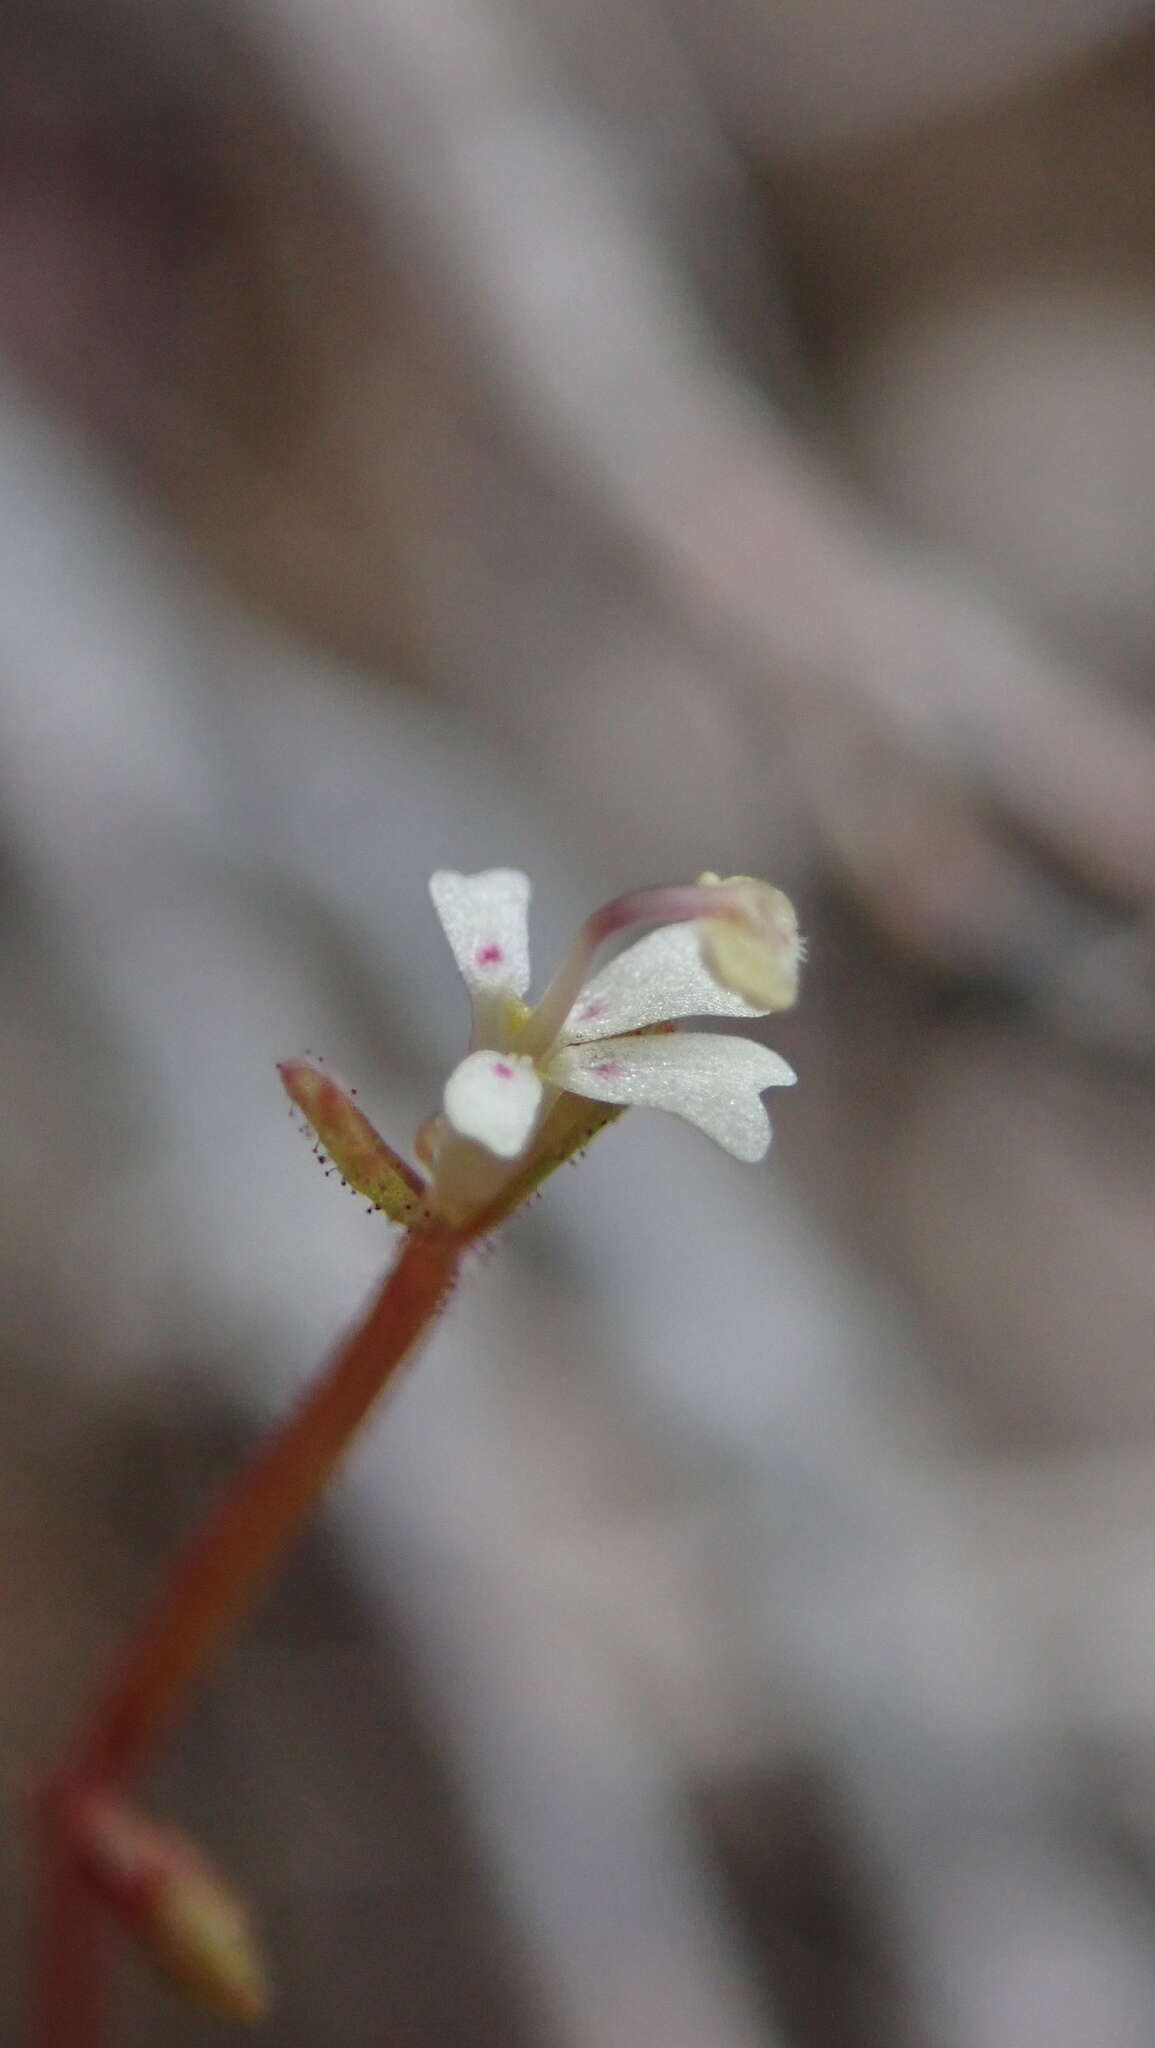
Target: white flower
{"points": [[523, 1058]]}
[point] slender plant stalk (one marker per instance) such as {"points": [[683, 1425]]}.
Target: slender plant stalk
{"points": [[67, 2007], [93, 1849], [203, 1602]]}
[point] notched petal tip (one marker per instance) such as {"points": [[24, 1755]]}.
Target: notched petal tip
{"points": [[485, 919], [715, 1082]]}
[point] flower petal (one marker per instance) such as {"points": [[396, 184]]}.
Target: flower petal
{"points": [[713, 1082], [494, 1098], [658, 979], [484, 918]]}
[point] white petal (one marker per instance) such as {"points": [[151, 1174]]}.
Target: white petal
{"points": [[714, 1082], [656, 981], [484, 919], [494, 1098]]}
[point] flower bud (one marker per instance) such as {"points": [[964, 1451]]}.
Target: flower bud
{"points": [[189, 1924]]}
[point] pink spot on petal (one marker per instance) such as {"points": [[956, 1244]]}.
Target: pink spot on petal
{"points": [[503, 1070], [609, 1070], [591, 1011], [489, 955]]}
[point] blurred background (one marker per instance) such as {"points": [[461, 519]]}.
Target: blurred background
{"points": [[613, 442]]}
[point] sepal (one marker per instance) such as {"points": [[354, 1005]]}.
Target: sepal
{"points": [[362, 1158]]}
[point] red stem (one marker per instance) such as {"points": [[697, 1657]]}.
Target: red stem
{"points": [[67, 2008], [206, 1596]]}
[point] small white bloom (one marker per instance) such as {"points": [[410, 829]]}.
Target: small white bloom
{"points": [[522, 1058]]}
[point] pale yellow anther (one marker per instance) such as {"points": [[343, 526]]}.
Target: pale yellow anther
{"points": [[753, 949]]}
